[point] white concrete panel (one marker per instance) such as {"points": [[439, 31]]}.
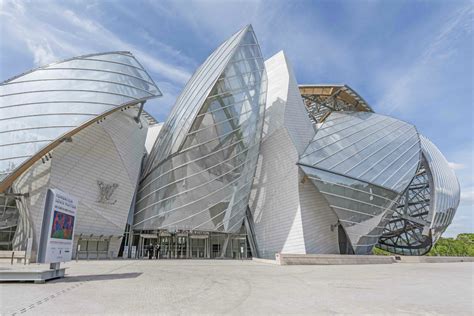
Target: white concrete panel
{"points": [[289, 216], [152, 135], [275, 202], [110, 152], [285, 107], [317, 218]]}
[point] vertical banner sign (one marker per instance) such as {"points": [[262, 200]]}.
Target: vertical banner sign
{"points": [[57, 232]]}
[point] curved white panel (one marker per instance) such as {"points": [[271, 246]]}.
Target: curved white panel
{"points": [[288, 215], [284, 106], [109, 153], [445, 191]]}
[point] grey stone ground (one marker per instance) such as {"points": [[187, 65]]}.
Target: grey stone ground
{"points": [[244, 287]]}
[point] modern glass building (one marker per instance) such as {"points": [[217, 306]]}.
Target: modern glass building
{"points": [[248, 163]]}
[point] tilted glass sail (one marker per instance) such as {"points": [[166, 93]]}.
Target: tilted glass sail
{"points": [[39, 106], [199, 173], [361, 162]]}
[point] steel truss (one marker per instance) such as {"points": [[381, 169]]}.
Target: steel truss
{"points": [[408, 233]]}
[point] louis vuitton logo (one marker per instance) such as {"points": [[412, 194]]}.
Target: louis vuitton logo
{"points": [[106, 191]]}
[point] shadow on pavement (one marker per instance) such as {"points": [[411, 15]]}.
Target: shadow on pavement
{"points": [[97, 277]]}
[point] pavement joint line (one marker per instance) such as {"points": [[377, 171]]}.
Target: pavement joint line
{"points": [[23, 310]]}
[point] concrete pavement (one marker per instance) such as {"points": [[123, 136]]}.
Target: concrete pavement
{"points": [[188, 287]]}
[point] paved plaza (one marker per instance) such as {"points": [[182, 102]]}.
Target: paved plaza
{"points": [[219, 287]]}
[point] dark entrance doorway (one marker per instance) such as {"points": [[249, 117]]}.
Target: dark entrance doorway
{"points": [[345, 247]]}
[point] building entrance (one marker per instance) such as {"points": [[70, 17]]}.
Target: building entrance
{"points": [[190, 245], [147, 245], [173, 246], [166, 244], [181, 247], [198, 245]]}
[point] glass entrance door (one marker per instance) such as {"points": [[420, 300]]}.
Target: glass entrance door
{"points": [[198, 247], [165, 247], [181, 247]]}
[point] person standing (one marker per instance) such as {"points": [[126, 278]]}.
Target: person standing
{"points": [[158, 247], [150, 252]]}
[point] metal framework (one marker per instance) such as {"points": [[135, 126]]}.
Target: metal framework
{"points": [[321, 100], [408, 231]]}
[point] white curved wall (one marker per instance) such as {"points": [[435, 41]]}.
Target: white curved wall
{"points": [[290, 215], [110, 152], [445, 193]]}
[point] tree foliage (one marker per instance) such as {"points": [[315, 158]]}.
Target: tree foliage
{"points": [[462, 245], [380, 252]]}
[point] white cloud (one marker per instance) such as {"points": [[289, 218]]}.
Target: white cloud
{"points": [[456, 166], [467, 195], [42, 52], [72, 34]]}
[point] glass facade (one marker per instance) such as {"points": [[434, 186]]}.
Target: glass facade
{"points": [[199, 173], [39, 106], [162, 244]]}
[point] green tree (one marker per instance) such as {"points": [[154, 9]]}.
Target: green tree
{"points": [[462, 245]]}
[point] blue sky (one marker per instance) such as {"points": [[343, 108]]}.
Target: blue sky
{"points": [[409, 59]]}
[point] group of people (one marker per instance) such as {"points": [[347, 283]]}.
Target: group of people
{"points": [[153, 250]]}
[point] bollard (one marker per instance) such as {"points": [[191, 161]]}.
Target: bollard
{"points": [[13, 255]]}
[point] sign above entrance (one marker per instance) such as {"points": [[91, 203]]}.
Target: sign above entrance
{"points": [[149, 236]]}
